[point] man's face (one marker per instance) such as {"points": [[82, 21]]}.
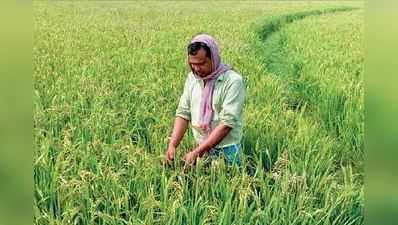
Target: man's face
{"points": [[200, 63]]}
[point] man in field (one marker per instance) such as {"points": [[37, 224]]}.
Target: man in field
{"points": [[212, 101]]}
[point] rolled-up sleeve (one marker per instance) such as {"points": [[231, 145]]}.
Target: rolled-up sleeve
{"points": [[232, 106], [184, 109]]}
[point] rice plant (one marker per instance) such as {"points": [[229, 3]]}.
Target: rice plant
{"points": [[107, 78]]}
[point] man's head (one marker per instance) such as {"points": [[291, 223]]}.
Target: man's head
{"points": [[199, 57]]}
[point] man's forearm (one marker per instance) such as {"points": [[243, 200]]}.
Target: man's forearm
{"points": [[215, 137], [180, 126]]}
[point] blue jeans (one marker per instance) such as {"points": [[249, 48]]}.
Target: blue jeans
{"points": [[231, 154]]}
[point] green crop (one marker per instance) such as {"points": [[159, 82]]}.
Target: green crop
{"points": [[107, 79]]}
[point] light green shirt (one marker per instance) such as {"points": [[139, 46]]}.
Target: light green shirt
{"points": [[228, 102]]}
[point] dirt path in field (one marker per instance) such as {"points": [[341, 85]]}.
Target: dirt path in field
{"points": [[275, 55], [275, 60], [274, 24]]}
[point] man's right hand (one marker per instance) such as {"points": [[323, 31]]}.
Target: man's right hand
{"points": [[180, 126], [171, 151]]}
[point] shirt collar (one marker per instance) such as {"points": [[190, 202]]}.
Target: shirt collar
{"points": [[221, 77]]}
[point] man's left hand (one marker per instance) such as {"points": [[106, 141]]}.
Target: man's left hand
{"points": [[190, 157]]}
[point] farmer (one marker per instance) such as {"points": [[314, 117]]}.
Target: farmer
{"points": [[212, 100]]}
